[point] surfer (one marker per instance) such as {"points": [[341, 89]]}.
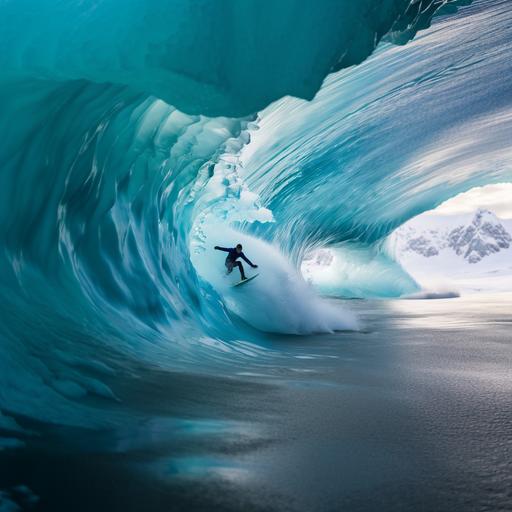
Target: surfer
{"points": [[233, 254]]}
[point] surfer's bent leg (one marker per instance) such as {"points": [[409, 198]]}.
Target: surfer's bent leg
{"points": [[229, 266], [241, 268]]}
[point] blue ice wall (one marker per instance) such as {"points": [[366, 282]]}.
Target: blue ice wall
{"points": [[213, 57]]}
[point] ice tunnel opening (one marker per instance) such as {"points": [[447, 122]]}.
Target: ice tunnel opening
{"points": [[464, 245]]}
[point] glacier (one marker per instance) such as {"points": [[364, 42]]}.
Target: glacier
{"points": [[134, 139]]}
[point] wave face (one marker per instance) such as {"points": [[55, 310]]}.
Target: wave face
{"points": [[123, 136], [383, 142]]}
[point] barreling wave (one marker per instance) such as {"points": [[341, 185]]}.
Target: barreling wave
{"points": [[118, 165], [385, 141]]}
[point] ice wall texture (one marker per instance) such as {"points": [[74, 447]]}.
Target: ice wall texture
{"points": [[101, 170], [212, 57]]}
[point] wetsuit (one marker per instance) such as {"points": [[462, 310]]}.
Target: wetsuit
{"points": [[231, 258]]}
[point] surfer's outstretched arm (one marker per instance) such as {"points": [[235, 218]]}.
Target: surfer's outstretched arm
{"points": [[247, 260], [225, 249]]}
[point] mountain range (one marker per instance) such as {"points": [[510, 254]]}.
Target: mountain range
{"points": [[470, 253], [472, 238]]}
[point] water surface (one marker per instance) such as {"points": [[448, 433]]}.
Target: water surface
{"points": [[411, 413]]}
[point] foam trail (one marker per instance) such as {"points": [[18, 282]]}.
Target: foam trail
{"points": [[278, 300], [432, 295]]}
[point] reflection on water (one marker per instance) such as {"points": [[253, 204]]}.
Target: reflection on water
{"points": [[411, 413]]}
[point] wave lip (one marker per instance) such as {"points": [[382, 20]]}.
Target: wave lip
{"points": [[212, 58]]}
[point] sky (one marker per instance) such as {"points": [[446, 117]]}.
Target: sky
{"points": [[497, 198]]}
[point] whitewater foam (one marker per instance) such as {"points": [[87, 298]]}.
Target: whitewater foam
{"points": [[278, 300]]}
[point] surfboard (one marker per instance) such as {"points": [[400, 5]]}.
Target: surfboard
{"points": [[246, 280]]}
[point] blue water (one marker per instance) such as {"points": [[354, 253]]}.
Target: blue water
{"points": [[135, 139], [413, 413]]}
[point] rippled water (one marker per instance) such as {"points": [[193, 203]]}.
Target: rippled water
{"points": [[412, 413]]}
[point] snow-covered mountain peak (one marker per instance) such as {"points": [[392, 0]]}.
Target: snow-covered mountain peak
{"points": [[482, 216], [472, 237], [483, 236]]}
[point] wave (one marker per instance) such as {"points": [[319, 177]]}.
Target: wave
{"points": [[117, 180], [385, 141]]}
